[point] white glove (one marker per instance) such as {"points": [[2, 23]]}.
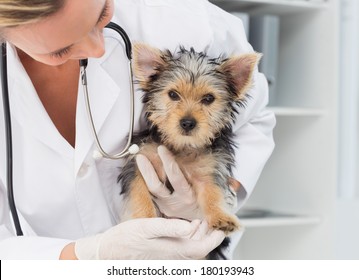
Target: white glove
{"points": [[182, 203], [153, 238]]}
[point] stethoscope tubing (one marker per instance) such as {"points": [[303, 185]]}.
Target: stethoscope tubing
{"points": [[8, 136], [128, 149]]}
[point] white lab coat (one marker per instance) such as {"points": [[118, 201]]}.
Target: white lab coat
{"points": [[63, 193]]}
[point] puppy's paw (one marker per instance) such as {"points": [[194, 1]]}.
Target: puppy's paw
{"points": [[224, 222]]}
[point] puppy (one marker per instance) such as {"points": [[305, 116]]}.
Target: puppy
{"points": [[191, 102]]}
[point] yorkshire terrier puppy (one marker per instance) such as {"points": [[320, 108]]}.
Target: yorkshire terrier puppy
{"points": [[191, 102]]}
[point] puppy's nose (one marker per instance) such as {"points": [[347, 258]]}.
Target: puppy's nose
{"points": [[188, 124]]}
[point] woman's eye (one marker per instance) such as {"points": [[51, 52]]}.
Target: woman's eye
{"points": [[173, 95], [207, 99], [61, 53]]}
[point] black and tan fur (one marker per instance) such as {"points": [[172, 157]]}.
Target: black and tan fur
{"points": [[191, 102]]}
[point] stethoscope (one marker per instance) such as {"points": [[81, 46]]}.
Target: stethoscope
{"points": [[128, 149]]}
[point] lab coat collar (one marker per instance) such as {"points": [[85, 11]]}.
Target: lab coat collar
{"points": [[30, 113]]}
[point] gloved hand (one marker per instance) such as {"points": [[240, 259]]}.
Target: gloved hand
{"points": [[182, 203], [154, 238]]}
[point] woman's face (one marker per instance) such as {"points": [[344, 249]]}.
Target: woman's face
{"points": [[74, 32]]}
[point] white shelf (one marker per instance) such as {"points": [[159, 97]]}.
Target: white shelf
{"points": [[256, 218], [297, 112], [279, 221], [271, 6]]}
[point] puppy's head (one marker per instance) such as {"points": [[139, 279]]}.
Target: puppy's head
{"points": [[189, 97]]}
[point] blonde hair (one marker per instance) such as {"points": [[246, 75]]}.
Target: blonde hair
{"points": [[19, 12]]}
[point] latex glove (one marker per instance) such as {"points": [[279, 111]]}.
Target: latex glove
{"points": [[153, 238], [182, 203]]}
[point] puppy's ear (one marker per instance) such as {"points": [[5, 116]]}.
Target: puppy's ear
{"points": [[147, 61], [239, 70]]}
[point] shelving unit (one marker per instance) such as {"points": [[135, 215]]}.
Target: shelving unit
{"points": [[300, 179]]}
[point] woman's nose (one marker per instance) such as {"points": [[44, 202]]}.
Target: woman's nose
{"points": [[93, 45]]}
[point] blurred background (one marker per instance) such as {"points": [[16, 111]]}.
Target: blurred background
{"points": [[306, 203]]}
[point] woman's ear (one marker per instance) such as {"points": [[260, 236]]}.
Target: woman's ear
{"points": [[147, 61], [239, 70]]}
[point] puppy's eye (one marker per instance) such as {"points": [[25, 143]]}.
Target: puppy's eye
{"points": [[173, 95], [207, 99]]}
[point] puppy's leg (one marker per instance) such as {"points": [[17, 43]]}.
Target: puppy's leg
{"points": [[211, 200], [140, 199]]}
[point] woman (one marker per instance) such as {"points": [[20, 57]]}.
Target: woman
{"points": [[66, 198]]}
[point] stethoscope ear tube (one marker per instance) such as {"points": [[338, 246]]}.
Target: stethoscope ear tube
{"points": [[8, 134], [125, 38]]}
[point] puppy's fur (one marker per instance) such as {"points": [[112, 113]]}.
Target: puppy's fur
{"points": [[191, 102]]}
